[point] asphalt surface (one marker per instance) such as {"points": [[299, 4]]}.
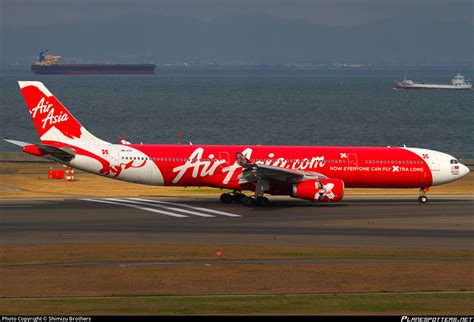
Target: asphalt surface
{"points": [[361, 222]]}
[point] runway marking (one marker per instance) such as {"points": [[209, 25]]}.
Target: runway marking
{"points": [[191, 207], [141, 204], [162, 206], [136, 207]]}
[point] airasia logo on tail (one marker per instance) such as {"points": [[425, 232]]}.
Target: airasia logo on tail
{"points": [[47, 112], [45, 107]]}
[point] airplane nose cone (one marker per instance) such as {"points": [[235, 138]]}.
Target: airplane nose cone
{"points": [[463, 170]]}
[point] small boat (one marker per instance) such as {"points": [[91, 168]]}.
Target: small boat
{"points": [[458, 82]]}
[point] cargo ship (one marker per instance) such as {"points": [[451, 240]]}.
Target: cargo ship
{"points": [[458, 82], [48, 64]]}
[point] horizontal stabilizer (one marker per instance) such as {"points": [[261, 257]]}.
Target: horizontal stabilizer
{"points": [[19, 143], [43, 150]]}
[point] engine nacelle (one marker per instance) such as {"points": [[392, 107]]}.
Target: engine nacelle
{"points": [[325, 190]]}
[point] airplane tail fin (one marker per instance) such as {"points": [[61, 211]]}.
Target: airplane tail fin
{"points": [[52, 120]]}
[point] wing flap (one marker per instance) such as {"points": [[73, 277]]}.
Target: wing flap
{"points": [[254, 171]]}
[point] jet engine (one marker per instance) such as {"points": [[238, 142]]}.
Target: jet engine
{"points": [[325, 190]]}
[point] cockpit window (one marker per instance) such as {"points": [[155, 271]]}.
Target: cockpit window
{"points": [[454, 161]]}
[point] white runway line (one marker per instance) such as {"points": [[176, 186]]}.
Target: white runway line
{"points": [[135, 206], [148, 202], [191, 207]]}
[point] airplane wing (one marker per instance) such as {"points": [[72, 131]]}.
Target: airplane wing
{"points": [[47, 151], [253, 172]]}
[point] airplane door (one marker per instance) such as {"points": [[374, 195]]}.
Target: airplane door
{"points": [[352, 160], [224, 156], [112, 155]]}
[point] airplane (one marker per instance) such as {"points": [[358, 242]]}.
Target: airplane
{"points": [[315, 173]]}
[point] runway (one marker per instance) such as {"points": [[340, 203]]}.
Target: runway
{"points": [[357, 222]]}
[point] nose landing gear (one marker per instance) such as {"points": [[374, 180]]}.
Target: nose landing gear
{"points": [[423, 198]]}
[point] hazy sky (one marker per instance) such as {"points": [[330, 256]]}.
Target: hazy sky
{"points": [[24, 13], [259, 31]]}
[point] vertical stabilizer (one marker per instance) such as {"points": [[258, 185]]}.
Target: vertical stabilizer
{"points": [[52, 120]]}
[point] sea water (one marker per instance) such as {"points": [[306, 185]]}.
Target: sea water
{"points": [[268, 107]]}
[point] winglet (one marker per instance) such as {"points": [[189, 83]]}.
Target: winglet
{"points": [[242, 160]]}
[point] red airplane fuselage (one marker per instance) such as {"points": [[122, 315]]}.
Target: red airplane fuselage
{"points": [[315, 173]]}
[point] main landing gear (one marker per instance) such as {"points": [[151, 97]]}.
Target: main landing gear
{"points": [[423, 198], [255, 201], [247, 201], [258, 200], [236, 197]]}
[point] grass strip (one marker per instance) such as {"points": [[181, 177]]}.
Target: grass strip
{"points": [[436, 303]]}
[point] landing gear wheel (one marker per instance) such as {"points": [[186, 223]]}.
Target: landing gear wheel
{"points": [[226, 198], [263, 201], [248, 201], [422, 199], [237, 198]]}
